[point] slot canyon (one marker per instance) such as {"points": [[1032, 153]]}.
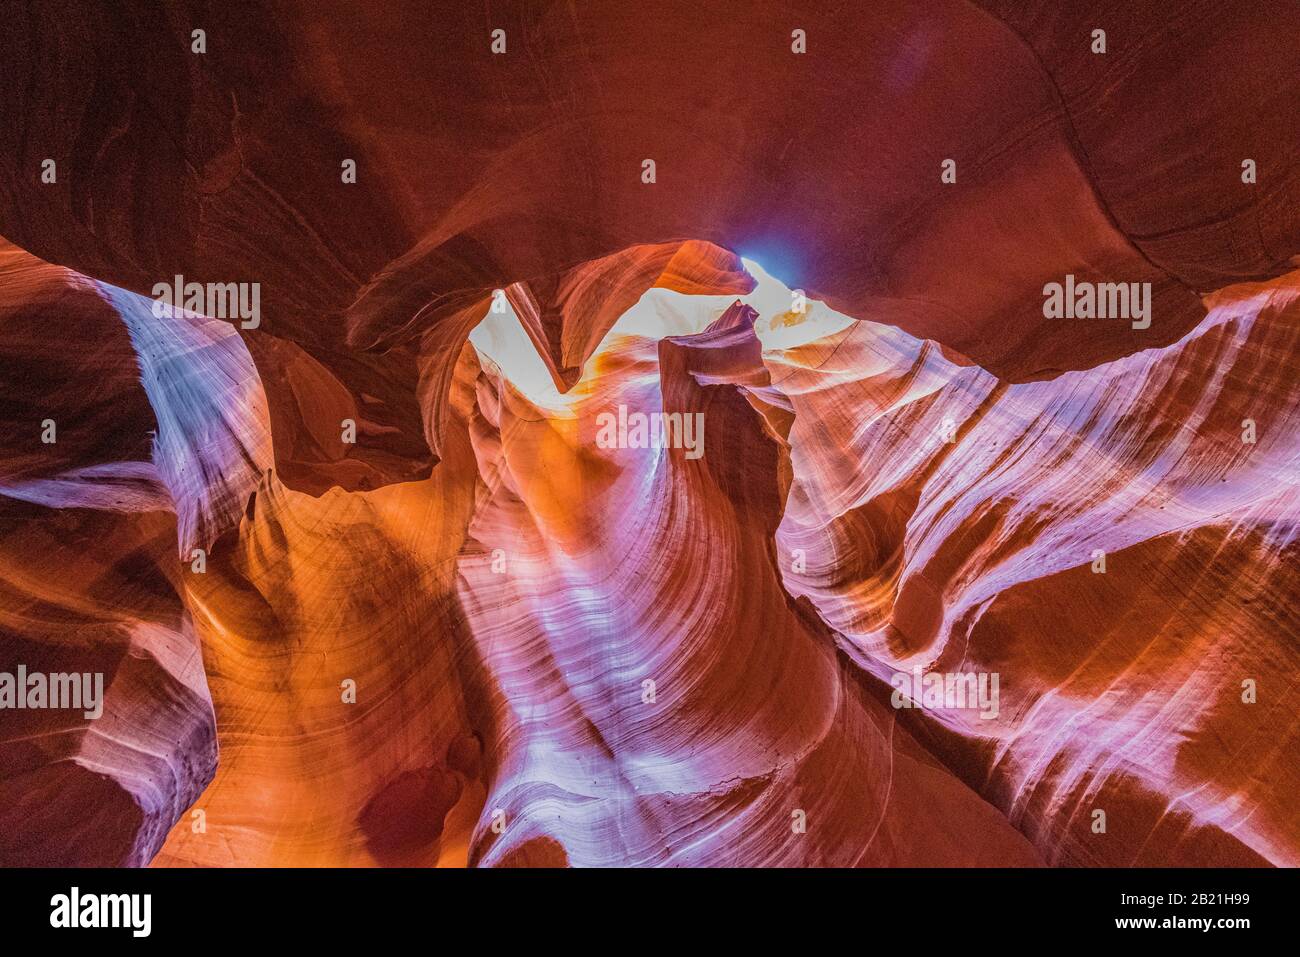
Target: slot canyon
{"points": [[633, 412]]}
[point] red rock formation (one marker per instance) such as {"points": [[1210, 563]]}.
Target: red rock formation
{"points": [[90, 581], [631, 549]]}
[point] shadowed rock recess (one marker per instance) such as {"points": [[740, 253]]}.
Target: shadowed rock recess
{"points": [[642, 436]]}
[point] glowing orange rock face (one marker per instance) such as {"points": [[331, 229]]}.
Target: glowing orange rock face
{"points": [[529, 525]]}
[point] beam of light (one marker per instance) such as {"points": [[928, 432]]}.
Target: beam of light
{"points": [[778, 326]]}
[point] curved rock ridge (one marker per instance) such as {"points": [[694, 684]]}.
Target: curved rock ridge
{"points": [[98, 487], [984, 553], [662, 699]]}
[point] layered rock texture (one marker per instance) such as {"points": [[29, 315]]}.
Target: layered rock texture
{"points": [[642, 436]]}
